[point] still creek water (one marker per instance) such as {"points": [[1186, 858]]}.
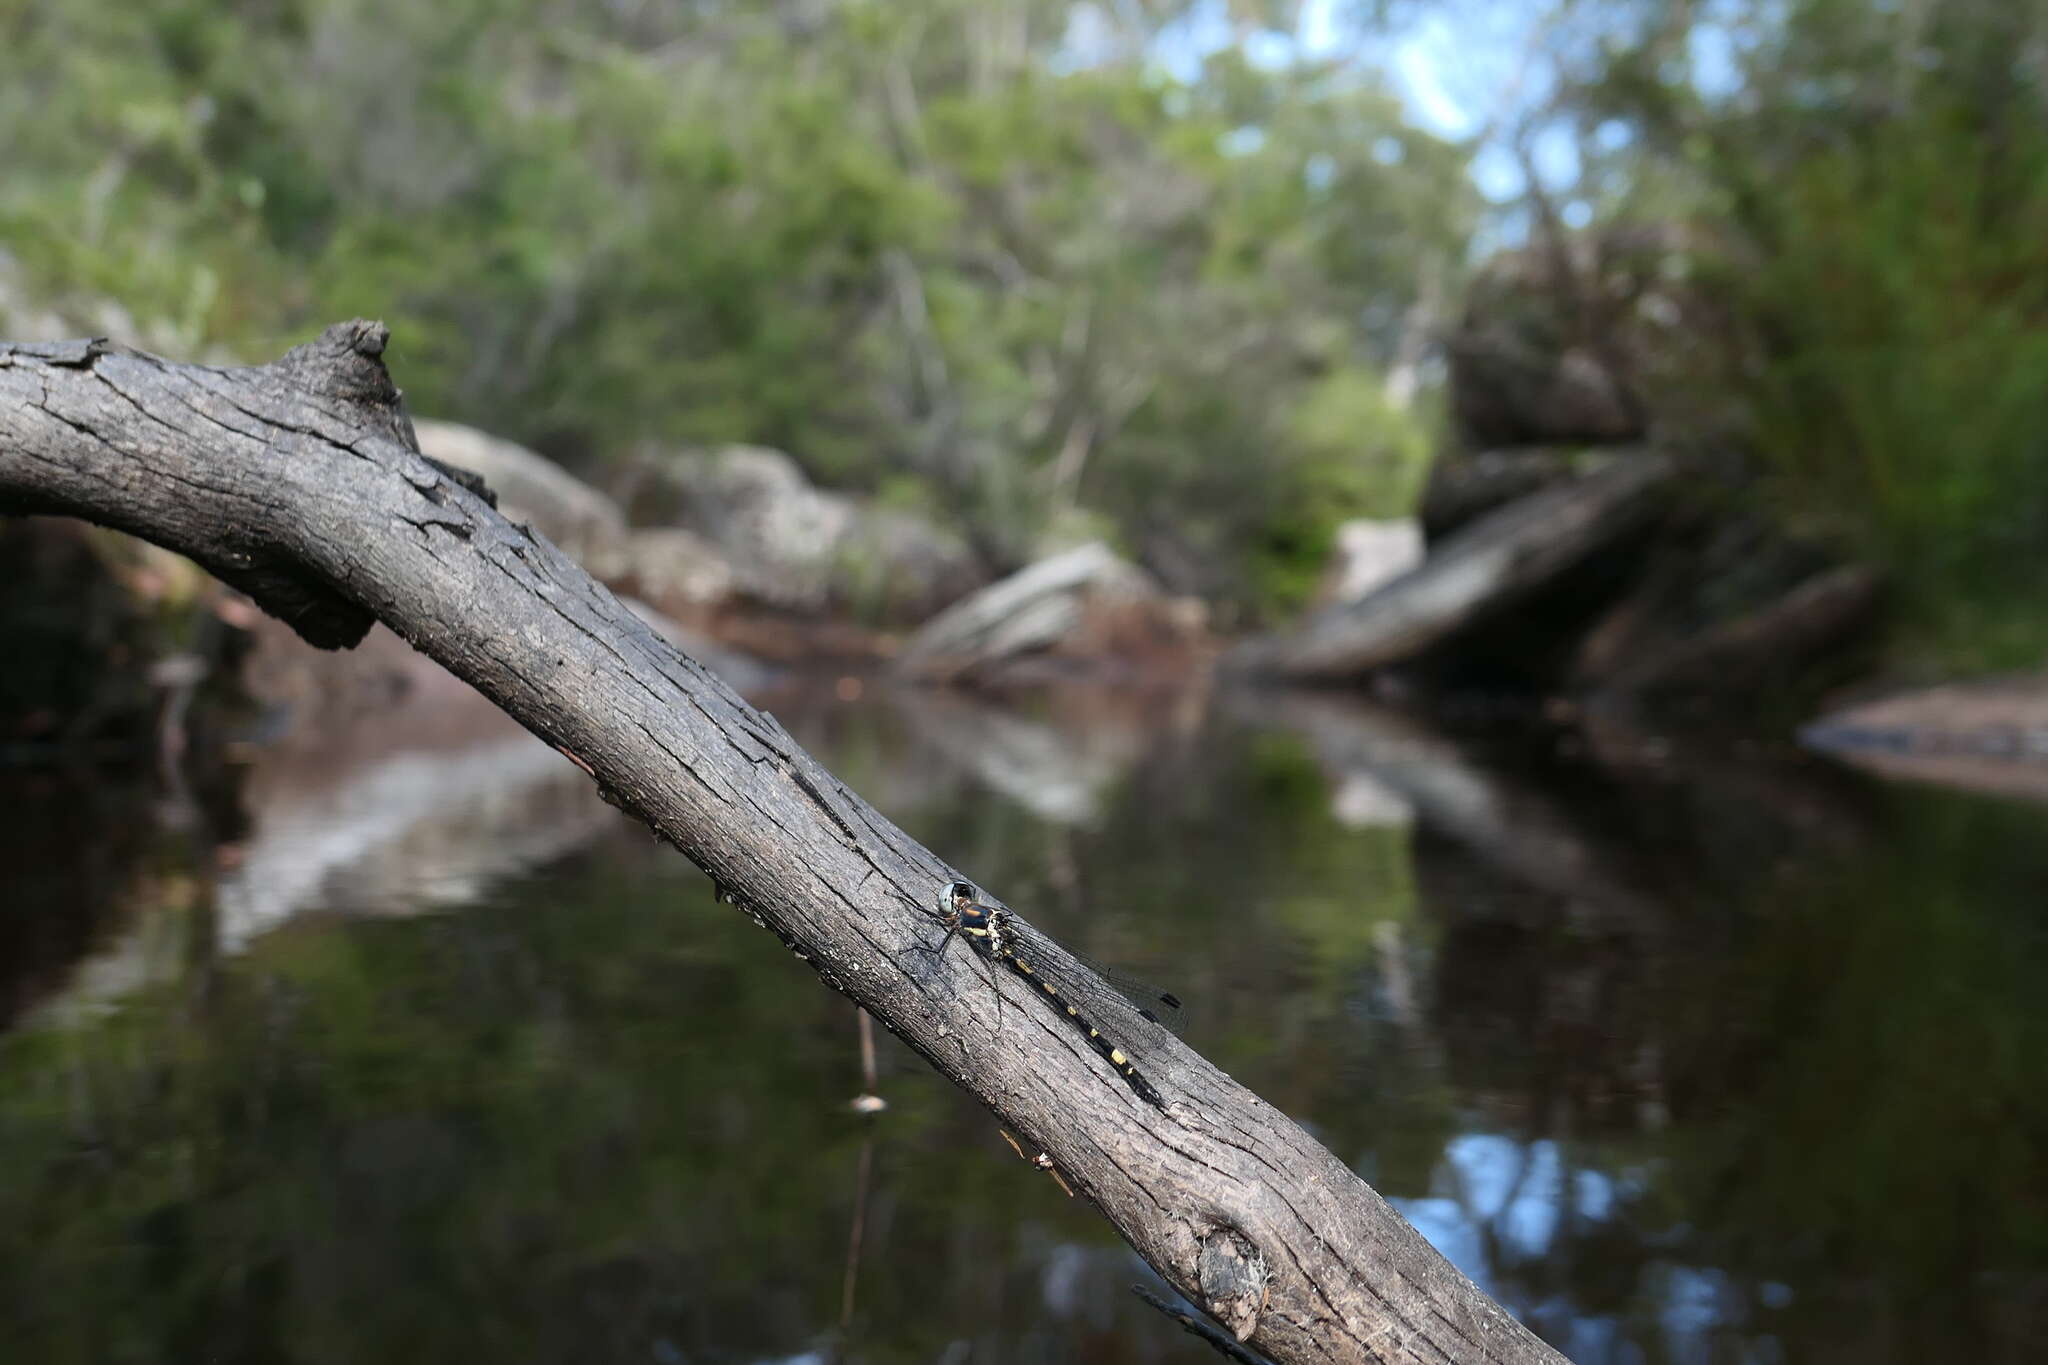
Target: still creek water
{"points": [[433, 1056]]}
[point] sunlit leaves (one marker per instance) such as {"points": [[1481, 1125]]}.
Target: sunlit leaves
{"points": [[931, 238]]}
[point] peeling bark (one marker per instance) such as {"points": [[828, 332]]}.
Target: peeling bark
{"points": [[299, 483]]}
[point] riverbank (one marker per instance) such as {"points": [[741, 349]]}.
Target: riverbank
{"points": [[1551, 594]]}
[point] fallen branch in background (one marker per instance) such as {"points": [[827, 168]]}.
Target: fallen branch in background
{"points": [[1484, 567]]}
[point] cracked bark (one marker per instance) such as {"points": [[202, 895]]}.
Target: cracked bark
{"points": [[300, 484]]}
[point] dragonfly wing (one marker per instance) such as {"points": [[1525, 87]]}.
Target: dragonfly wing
{"points": [[1163, 1008]]}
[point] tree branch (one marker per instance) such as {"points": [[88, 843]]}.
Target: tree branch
{"points": [[299, 482]]}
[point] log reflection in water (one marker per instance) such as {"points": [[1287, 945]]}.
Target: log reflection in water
{"points": [[407, 833], [1059, 772], [1506, 823]]}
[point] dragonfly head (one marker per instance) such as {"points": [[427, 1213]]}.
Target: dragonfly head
{"points": [[956, 896]]}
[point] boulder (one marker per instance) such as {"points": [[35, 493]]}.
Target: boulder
{"points": [[1578, 340], [1464, 486], [1369, 554], [1085, 606], [679, 571], [801, 548], [780, 532], [898, 566], [534, 489]]}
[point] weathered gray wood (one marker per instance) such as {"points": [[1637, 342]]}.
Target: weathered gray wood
{"points": [[299, 483], [1482, 568], [1029, 610]]}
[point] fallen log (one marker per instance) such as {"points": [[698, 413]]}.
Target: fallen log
{"points": [[1085, 602], [1484, 567], [1741, 657], [300, 483]]}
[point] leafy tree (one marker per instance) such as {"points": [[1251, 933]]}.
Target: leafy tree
{"points": [[992, 247], [1874, 180]]}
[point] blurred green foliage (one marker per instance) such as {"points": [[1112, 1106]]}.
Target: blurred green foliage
{"points": [[993, 247], [1872, 184]]}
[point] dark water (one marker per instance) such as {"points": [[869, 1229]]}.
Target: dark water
{"points": [[1685, 1059]]}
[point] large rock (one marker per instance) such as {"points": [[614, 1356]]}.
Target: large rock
{"points": [[534, 489], [1085, 606], [678, 571], [1575, 342], [781, 533], [798, 547], [1368, 555], [1466, 485]]}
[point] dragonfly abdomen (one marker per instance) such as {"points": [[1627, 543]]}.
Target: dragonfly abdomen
{"points": [[1109, 1051]]}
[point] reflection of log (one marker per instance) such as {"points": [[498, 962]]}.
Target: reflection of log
{"points": [[300, 483], [76, 872], [1509, 826], [409, 829], [1058, 773], [1486, 565], [364, 828]]}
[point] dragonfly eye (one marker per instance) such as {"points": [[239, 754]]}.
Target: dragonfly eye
{"points": [[955, 893]]}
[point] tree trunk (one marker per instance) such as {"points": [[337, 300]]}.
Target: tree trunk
{"points": [[1481, 568], [299, 483]]}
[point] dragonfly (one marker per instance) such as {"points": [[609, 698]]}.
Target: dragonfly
{"points": [[999, 936]]}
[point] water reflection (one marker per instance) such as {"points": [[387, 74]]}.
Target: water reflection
{"points": [[405, 832], [1684, 1060]]}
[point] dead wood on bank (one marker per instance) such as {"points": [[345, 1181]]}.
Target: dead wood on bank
{"points": [[1482, 568]]}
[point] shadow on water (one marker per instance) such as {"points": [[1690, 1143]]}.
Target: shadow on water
{"points": [[1684, 1059]]}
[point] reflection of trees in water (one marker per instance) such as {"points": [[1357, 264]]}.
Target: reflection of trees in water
{"points": [[1806, 1090], [593, 1124], [1770, 1017], [90, 876], [426, 805], [1786, 1076]]}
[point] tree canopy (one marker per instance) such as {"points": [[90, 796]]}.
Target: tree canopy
{"points": [[1044, 265], [1868, 191]]}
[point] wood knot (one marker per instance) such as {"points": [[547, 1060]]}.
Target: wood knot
{"points": [[1234, 1280]]}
